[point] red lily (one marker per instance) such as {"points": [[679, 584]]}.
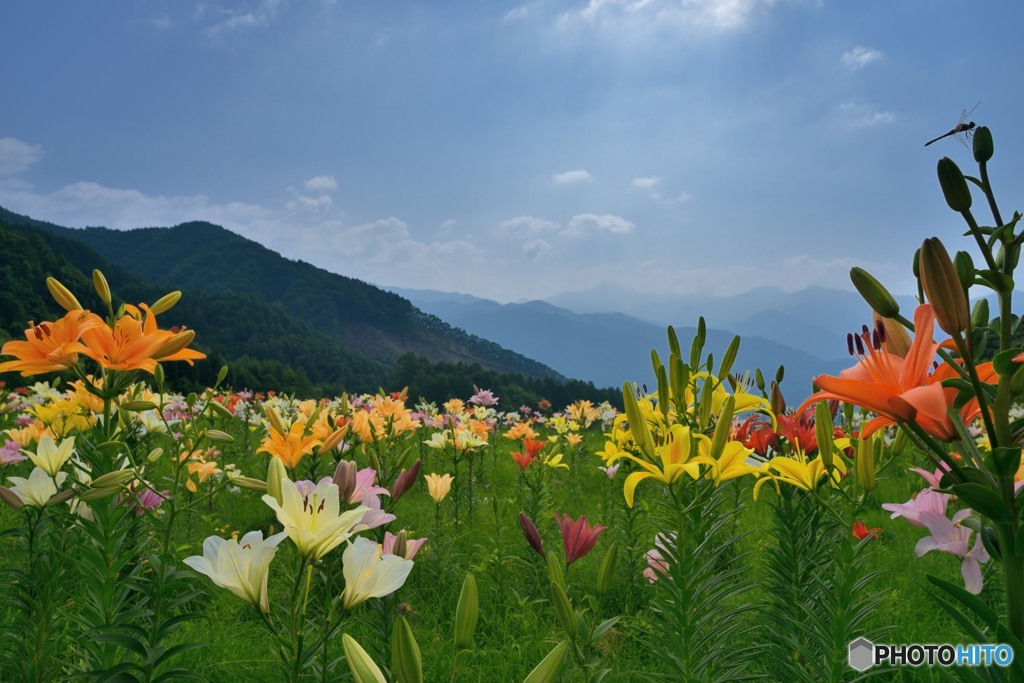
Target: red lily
{"points": [[524, 460], [860, 531], [578, 537]]}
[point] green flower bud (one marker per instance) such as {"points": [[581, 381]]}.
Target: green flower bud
{"points": [[564, 612], [466, 613], [222, 374], [942, 287], [979, 314], [872, 291], [964, 265], [275, 473], [360, 663], [62, 295], [165, 303], [158, 375], [113, 479], [219, 436], [406, 663], [607, 571], [139, 406], [102, 288], [983, 147], [555, 574], [954, 185], [549, 668], [823, 433]]}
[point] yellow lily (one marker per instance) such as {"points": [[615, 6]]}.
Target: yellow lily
{"points": [[675, 456], [731, 464], [800, 472]]}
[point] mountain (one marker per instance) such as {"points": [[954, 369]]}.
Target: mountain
{"points": [[355, 316], [610, 348], [814, 320]]}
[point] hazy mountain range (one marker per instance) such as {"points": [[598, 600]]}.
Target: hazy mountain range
{"points": [[608, 348]]}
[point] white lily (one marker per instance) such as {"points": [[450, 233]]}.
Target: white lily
{"points": [[51, 456], [371, 574], [314, 521], [38, 489], [240, 566]]}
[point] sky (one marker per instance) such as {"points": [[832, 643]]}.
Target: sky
{"points": [[517, 150]]}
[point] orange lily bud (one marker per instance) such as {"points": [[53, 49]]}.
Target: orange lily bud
{"points": [[175, 344], [333, 440], [62, 295], [275, 420], [942, 287]]}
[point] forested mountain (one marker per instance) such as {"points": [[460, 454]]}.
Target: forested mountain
{"points": [[278, 324], [361, 317]]}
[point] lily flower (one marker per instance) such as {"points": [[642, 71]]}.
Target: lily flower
{"points": [[369, 573], [531, 533], [38, 489], [578, 537], [314, 521], [393, 546], [914, 510], [675, 456], [950, 536], [240, 566], [49, 456], [290, 447], [49, 347], [800, 472], [438, 486], [861, 531], [135, 342]]}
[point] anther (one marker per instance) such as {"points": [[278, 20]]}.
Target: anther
{"points": [[860, 345], [849, 342]]}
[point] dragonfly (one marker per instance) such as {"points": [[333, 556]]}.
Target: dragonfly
{"points": [[960, 127]]}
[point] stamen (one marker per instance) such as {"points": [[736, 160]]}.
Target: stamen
{"points": [[864, 329], [849, 342], [881, 332], [860, 345], [876, 344]]}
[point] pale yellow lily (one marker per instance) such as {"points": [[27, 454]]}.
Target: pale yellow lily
{"points": [[675, 456]]}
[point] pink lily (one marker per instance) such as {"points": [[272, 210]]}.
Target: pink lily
{"points": [[950, 536], [578, 537], [926, 502]]}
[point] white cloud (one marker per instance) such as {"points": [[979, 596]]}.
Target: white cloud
{"points": [[322, 183], [570, 177], [646, 183], [584, 223], [643, 16], [859, 57], [251, 15], [527, 225], [16, 156], [857, 114], [310, 203], [535, 250], [388, 241], [516, 13]]}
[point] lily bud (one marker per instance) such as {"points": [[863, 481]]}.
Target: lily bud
{"points": [[979, 314], [531, 533], [113, 479], [983, 147], [360, 663], [332, 441], [158, 375], [275, 421], [155, 454], [139, 406], [102, 288], [175, 344], [405, 480], [466, 613], [11, 498], [275, 473], [219, 408], [555, 569], [777, 400], [165, 303], [564, 612], [942, 287], [406, 663], [723, 428], [551, 666], [607, 571], [865, 464], [62, 497], [954, 185], [823, 433], [98, 493], [250, 483], [964, 266], [62, 295], [896, 339], [345, 478], [876, 295]]}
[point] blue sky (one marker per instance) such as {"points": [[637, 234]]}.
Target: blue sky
{"points": [[514, 150]]}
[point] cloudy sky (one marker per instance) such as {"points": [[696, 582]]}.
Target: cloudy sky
{"points": [[512, 150]]}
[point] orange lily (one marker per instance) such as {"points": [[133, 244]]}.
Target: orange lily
{"points": [[136, 343], [290, 447], [49, 346], [899, 389]]}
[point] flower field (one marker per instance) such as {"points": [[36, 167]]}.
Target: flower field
{"points": [[707, 531]]}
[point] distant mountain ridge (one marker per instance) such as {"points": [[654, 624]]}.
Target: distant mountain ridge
{"points": [[208, 259], [611, 348]]}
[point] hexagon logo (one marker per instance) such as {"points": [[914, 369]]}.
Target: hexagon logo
{"points": [[862, 654]]}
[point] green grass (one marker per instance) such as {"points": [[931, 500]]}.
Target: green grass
{"points": [[517, 625]]}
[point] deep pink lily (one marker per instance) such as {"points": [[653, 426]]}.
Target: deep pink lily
{"points": [[578, 537]]}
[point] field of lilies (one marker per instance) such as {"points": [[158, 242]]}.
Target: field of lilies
{"points": [[707, 532]]}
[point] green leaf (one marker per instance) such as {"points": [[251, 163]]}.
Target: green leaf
{"points": [[969, 600], [1003, 362], [985, 501]]}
